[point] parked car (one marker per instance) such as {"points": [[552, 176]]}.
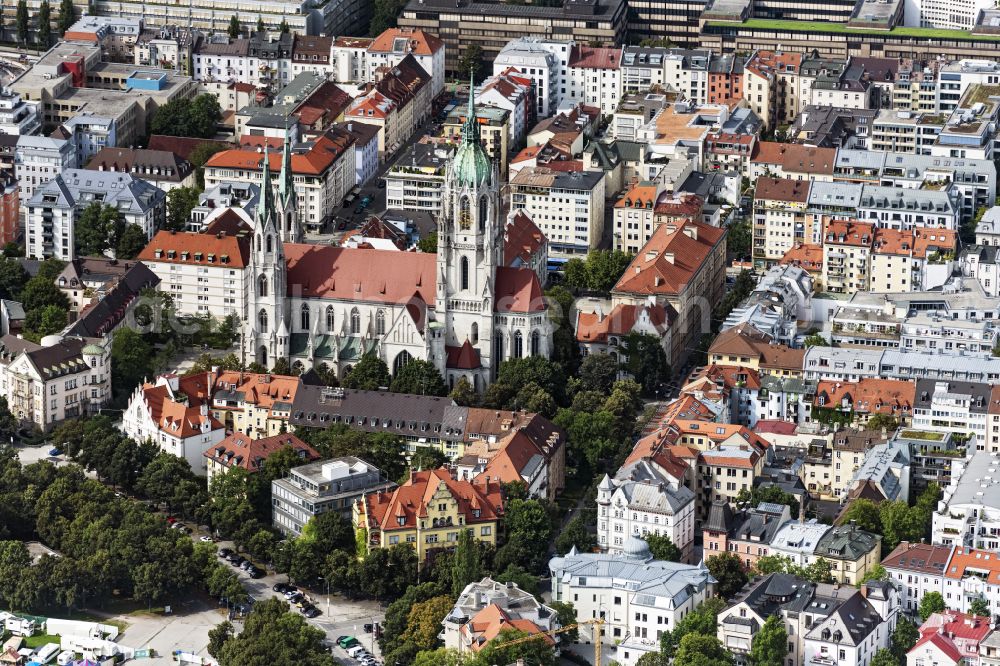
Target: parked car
{"points": [[255, 572], [359, 209], [205, 539], [225, 552], [368, 628], [236, 560], [55, 451], [311, 612], [171, 520], [281, 588], [347, 641]]}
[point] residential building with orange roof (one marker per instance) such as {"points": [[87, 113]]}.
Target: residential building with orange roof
{"points": [[395, 44], [959, 573], [847, 248], [779, 218], [744, 345], [203, 273], [518, 455], [729, 150], [734, 387], [867, 397], [257, 405], [428, 511], [645, 207], [682, 266], [593, 76], [600, 333], [771, 86], [162, 413], [511, 91], [485, 608], [242, 451], [807, 256], [398, 103], [793, 161], [322, 169], [682, 126], [950, 638]]}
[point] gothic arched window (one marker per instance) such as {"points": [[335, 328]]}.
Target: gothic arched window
{"points": [[269, 243], [464, 271], [464, 213], [258, 242], [262, 321], [402, 359], [355, 321], [484, 208], [329, 319], [262, 285], [380, 322], [518, 345], [475, 333], [535, 343], [305, 317], [497, 346]]}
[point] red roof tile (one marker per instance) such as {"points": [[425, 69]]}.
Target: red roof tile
{"points": [[669, 259], [239, 450], [198, 249], [517, 290]]}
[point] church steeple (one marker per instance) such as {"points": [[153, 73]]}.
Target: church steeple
{"points": [[286, 185], [470, 129], [265, 202], [472, 165]]}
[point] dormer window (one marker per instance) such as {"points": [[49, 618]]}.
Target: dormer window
{"points": [[400, 521]]}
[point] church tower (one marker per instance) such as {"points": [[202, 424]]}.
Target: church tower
{"points": [[470, 243], [287, 203], [268, 321]]}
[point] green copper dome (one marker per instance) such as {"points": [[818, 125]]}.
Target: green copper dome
{"points": [[472, 166]]}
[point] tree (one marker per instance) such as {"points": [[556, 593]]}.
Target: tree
{"points": [[463, 394], [770, 645], [876, 573], [865, 515], [702, 650], [13, 277], [217, 637], [727, 569], [819, 571], [662, 548], [439, 657], [979, 607], [369, 374], [904, 637], [273, 635], [883, 421], [132, 240], [420, 377], [600, 271], [260, 24], [466, 567], [884, 657], [770, 494], [645, 360], [423, 624], [44, 24], [815, 340], [21, 21], [234, 26], [200, 156], [932, 602], [180, 202], [67, 16], [188, 117], [598, 372], [575, 534], [384, 16], [738, 239], [528, 533], [45, 321], [500, 651], [131, 357], [428, 243], [283, 27], [471, 62], [99, 228]]}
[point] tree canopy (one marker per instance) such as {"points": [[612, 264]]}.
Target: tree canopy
{"points": [[188, 117]]}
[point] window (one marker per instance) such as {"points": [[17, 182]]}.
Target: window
{"points": [[535, 343], [518, 345], [329, 319], [262, 321], [269, 243], [380, 322], [305, 317], [474, 337], [262, 285], [484, 208], [464, 214], [464, 272], [355, 321]]}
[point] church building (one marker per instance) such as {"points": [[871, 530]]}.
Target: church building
{"points": [[464, 309]]}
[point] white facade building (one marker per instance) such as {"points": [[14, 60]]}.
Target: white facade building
{"points": [[39, 159], [639, 598], [18, 116], [567, 206], [544, 62]]}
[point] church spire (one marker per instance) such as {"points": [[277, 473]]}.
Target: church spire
{"points": [[265, 202], [470, 130], [286, 186]]}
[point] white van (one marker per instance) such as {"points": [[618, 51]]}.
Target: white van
{"points": [[355, 651], [65, 658]]}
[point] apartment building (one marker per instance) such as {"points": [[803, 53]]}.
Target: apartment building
{"points": [[779, 218], [771, 86], [968, 514], [905, 131], [398, 103], [17, 116], [593, 77], [239, 451], [322, 170], [959, 408], [511, 91], [164, 413], [646, 206], [486, 607], [160, 168], [39, 159], [567, 206], [415, 180], [542, 62], [639, 598], [62, 378], [55, 207], [960, 574], [494, 132], [681, 265], [428, 511], [395, 44], [203, 273]]}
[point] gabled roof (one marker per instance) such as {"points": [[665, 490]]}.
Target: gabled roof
{"points": [[744, 340], [919, 557], [406, 40], [892, 397], [175, 418], [403, 507], [517, 290], [184, 247], [595, 327], [100, 318], [240, 450], [522, 239], [669, 260]]}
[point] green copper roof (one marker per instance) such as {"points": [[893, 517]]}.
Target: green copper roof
{"points": [[472, 165]]}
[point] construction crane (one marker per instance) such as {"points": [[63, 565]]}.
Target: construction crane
{"points": [[597, 630]]}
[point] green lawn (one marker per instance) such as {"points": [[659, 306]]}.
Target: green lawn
{"points": [[38, 640], [840, 28]]}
